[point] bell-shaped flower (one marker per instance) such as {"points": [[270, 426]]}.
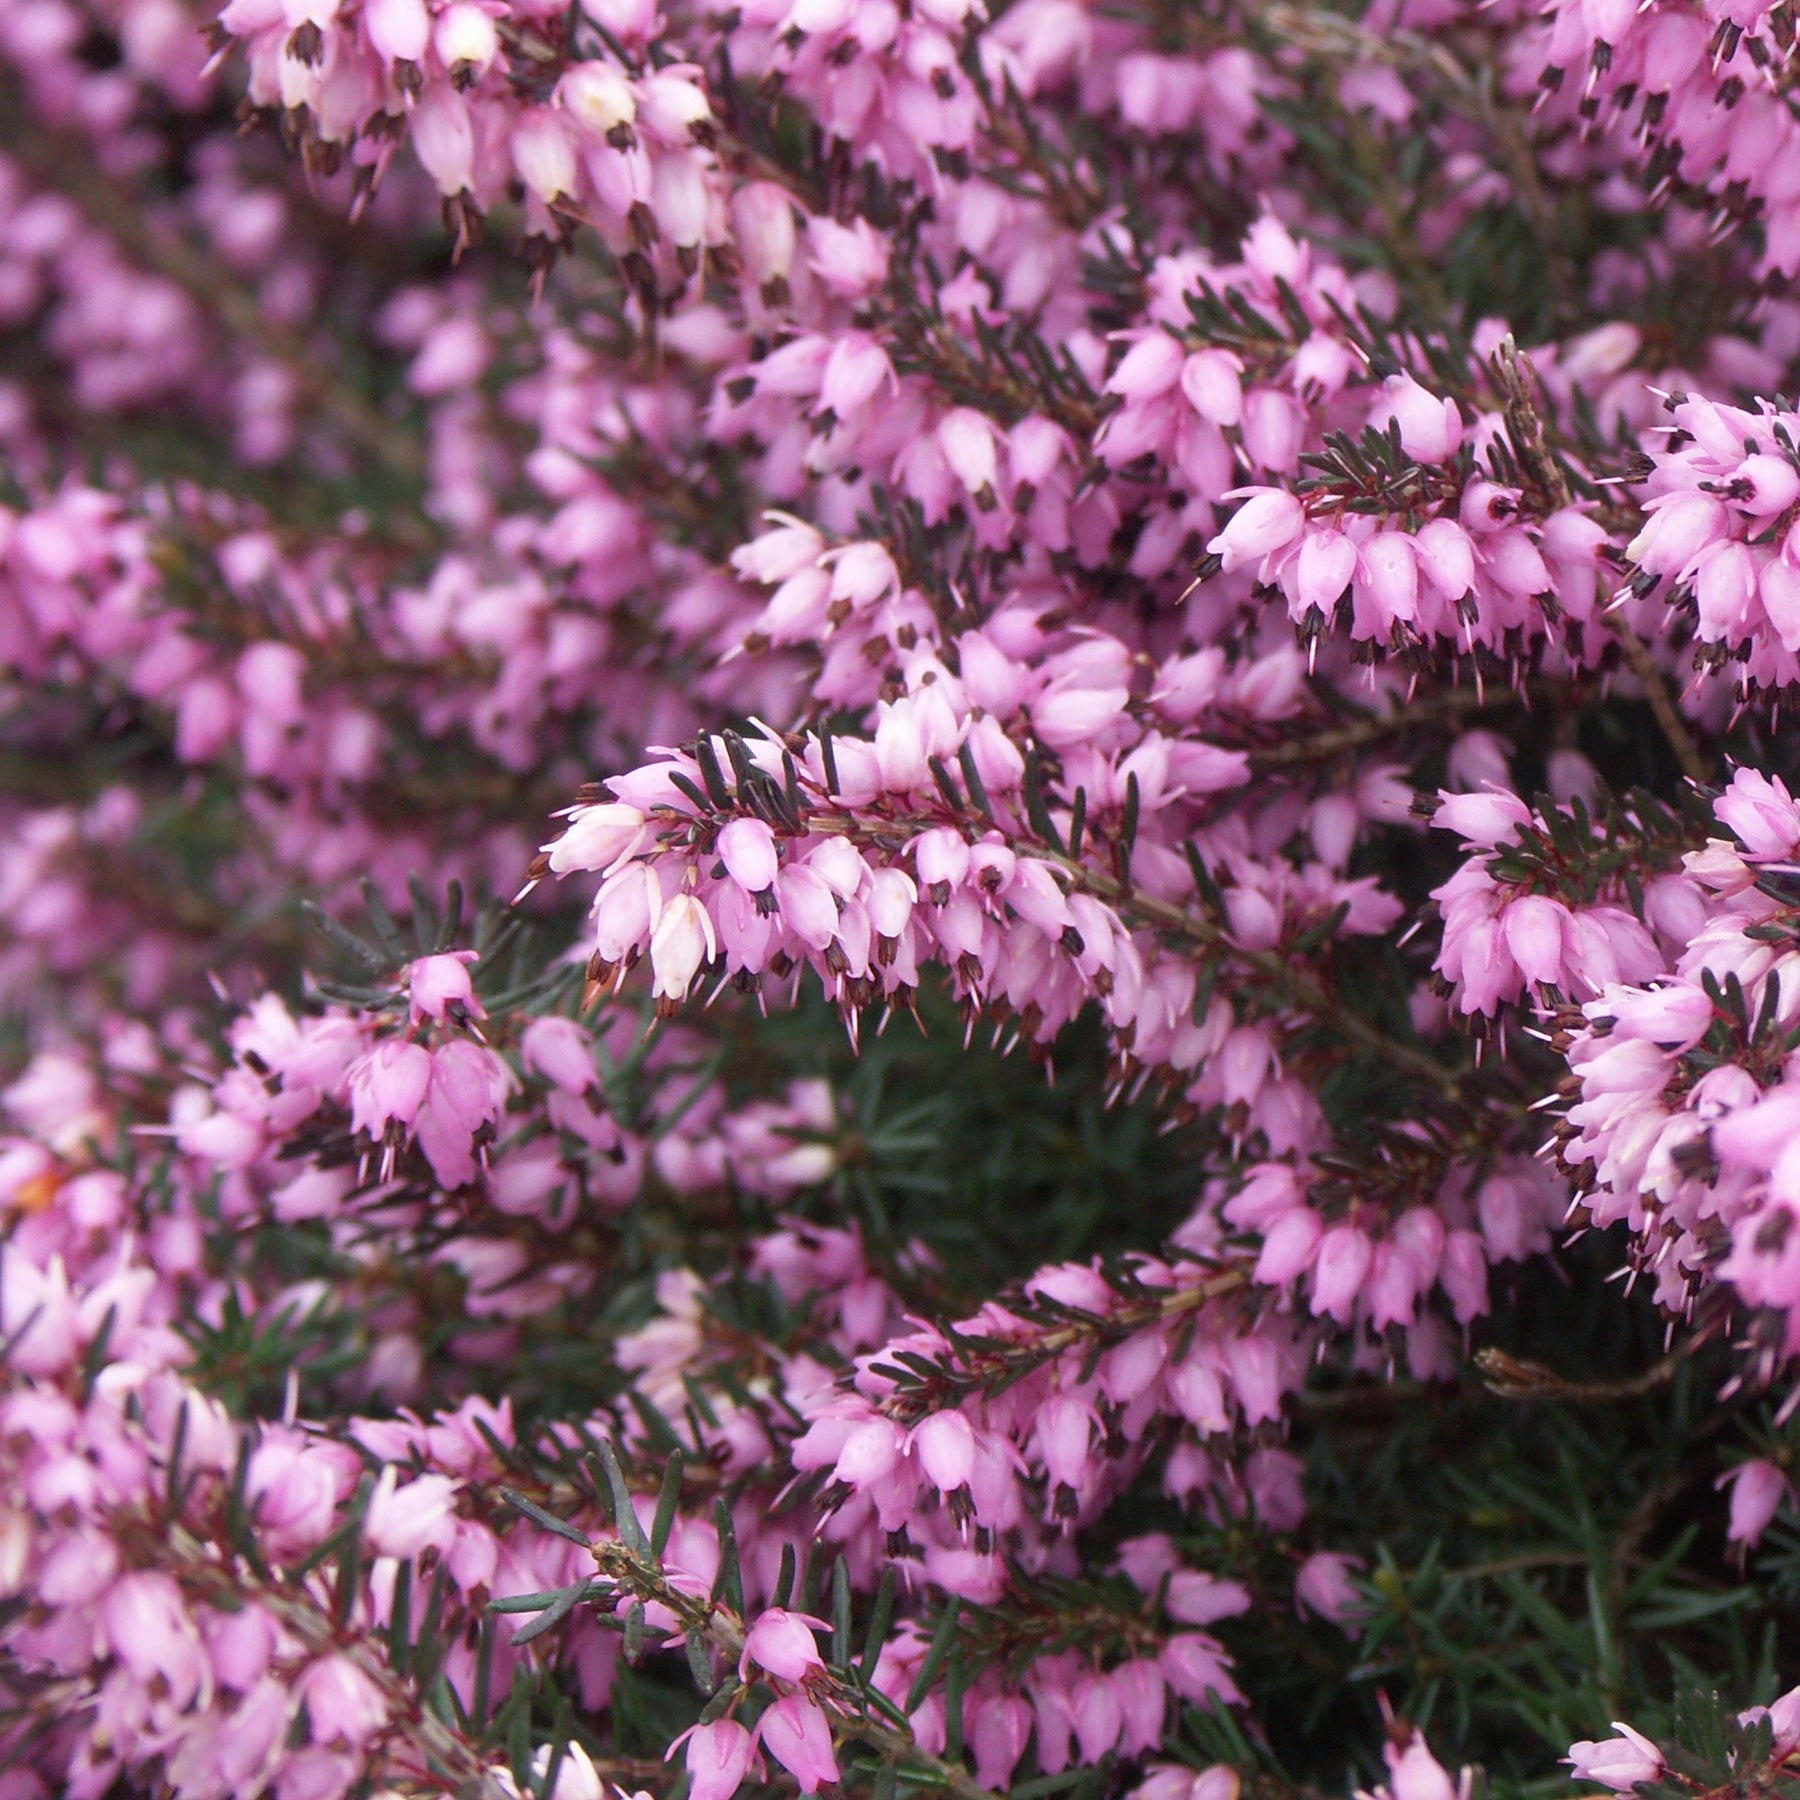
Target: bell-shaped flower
{"points": [[796, 1733], [1758, 1488], [747, 849], [682, 944], [437, 983], [1621, 1763], [718, 1759], [1269, 520], [781, 1644]]}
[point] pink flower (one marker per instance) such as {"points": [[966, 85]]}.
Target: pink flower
{"points": [[1415, 1774], [1758, 1488], [1097, 1714], [388, 1083], [1620, 1763], [398, 30], [1534, 927], [1762, 813], [1197, 1598], [1269, 519], [945, 1446], [344, 1704], [1289, 1244], [683, 942], [999, 1727], [1063, 1434], [1198, 1669], [561, 1052], [747, 849], [1488, 819], [781, 1644], [967, 440], [1323, 1586], [437, 983], [1679, 527], [598, 837], [762, 220], [1430, 428], [795, 1732], [469, 1084], [148, 1628], [402, 1521], [1338, 1272], [718, 1759]]}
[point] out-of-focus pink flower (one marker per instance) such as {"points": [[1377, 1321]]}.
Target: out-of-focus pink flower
{"points": [[1620, 1763]]}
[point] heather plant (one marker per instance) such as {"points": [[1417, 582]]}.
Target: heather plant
{"points": [[901, 898]]}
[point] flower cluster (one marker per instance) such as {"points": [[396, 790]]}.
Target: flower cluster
{"points": [[860, 861]]}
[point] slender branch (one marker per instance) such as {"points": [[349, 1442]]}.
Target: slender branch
{"points": [[1662, 706], [1275, 971], [1513, 1379]]}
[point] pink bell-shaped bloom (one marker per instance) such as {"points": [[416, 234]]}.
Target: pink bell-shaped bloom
{"points": [[1197, 1668], [1197, 1598], [796, 1733], [1430, 428], [762, 221], [1758, 1488], [1761, 812], [1464, 1275], [1097, 1714], [465, 37], [1290, 1243], [1339, 1270], [1323, 1586], [1534, 925], [682, 944], [1269, 520], [148, 1628], [1212, 382], [1487, 819], [781, 1644], [966, 439], [944, 1443], [389, 1083], [718, 1759], [398, 30], [1149, 368], [1326, 566], [1415, 1774], [1680, 525], [1063, 1434], [343, 1703], [437, 983], [998, 1728], [747, 849], [598, 837], [402, 1521], [1620, 1763]]}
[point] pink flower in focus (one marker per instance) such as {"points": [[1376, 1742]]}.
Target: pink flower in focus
{"points": [[781, 1644], [795, 1732], [718, 1759], [438, 983]]}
